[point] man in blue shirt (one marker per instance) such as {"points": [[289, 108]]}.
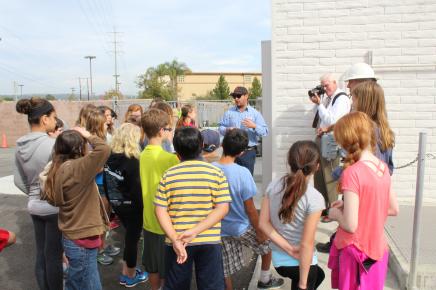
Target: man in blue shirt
{"points": [[245, 117]]}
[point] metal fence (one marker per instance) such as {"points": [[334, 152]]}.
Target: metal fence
{"points": [[209, 113]]}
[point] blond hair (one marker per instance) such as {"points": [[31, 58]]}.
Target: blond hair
{"points": [[126, 140], [371, 100]]}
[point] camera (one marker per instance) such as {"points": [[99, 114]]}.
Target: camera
{"points": [[318, 90]]}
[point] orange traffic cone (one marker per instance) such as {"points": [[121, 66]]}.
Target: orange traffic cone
{"points": [[4, 142]]}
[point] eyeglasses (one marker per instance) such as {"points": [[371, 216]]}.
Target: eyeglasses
{"points": [[167, 129], [237, 96]]}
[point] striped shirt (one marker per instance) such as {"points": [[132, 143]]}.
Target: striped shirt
{"points": [[190, 191]]}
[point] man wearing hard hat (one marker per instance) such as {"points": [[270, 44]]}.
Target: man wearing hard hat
{"points": [[358, 73]]}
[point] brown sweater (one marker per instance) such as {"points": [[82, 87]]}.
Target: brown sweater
{"points": [[81, 210]]}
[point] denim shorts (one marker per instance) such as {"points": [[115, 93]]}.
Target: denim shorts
{"points": [[83, 271]]}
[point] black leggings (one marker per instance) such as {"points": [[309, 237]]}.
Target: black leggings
{"points": [[48, 238], [314, 279], [131, 218]]}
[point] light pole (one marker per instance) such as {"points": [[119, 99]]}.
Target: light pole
{"points": [[80, 88], [90, 57], [21, 91]]}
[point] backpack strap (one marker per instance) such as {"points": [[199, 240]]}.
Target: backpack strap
{"points": [[105, 182], [337, 96]]}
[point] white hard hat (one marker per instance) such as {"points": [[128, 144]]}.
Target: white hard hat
{"points": [[359, 70]]}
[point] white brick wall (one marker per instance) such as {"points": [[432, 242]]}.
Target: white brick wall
{"points": [[312, 37]]}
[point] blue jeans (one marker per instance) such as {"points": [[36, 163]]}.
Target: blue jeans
{"points": [[247, 159], [83, 271], [209, 271]]}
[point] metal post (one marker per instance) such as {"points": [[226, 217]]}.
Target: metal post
{"points": [[21, 91], [417, 211], [268, 144], [80, 89], [15, 91], [90, 57]]}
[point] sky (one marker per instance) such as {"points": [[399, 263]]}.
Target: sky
{"points": [[43, 43]]}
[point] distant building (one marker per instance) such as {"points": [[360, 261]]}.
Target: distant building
{"points": [[192, 85]]}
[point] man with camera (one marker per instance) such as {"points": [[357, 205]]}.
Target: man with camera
{"points": [[331, 104]]}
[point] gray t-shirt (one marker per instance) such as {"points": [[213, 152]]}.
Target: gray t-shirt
{"points": [[312, 201]]}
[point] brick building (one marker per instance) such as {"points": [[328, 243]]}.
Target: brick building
{"points": [[398, 38]]}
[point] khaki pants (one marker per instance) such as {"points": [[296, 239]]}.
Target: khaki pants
{"points": [[323, 180]]}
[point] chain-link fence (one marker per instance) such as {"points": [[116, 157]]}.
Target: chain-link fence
{"points": [[209, 113]]}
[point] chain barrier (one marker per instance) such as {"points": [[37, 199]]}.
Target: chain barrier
{"points": [[428, 156]]}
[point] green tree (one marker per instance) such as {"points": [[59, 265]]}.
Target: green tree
{"points": [[153, 84], [72, 97], [221, 90], [50, 97], [161, 81], [109, 95], [173, 70], [256, 89]]}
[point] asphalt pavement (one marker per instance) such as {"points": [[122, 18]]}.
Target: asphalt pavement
{"points": [[18, 261]]}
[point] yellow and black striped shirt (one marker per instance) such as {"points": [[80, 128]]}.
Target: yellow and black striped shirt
{"points": [[190, 191]]}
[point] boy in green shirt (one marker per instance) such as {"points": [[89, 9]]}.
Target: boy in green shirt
{"points": [[154, 161]]}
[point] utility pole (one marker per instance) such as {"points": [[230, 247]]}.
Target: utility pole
{"points": [[116, 75], [21, 91], [15, 91], [87, 86], [80, 88], [90, 57], [72, 91]]}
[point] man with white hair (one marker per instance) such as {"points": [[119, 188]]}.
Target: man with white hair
{"points": [[354, 75], [330, 107]]}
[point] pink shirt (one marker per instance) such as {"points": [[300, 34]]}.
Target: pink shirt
{"points": [[373, 192], [89, 242]]}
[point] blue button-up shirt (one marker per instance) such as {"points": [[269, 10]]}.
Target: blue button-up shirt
{"points": [[233, 119]]}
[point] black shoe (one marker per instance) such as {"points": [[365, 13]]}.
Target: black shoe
{"points": [[273, 283], [323, 247]]}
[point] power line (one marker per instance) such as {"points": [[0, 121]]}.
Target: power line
{"points": [[104, 13], [100, 33], [22, 75]]}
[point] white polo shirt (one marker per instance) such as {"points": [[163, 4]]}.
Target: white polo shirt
{"points": [[330, 115]]}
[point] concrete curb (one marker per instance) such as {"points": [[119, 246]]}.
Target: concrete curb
{"points": [[400, 268], [398, 265], [256, 274]]}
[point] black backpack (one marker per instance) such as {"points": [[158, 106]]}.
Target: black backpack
{"points": [[114, 186]]}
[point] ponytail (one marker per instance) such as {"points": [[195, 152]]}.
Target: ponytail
{"points": [[303, 158], [294, 186]]}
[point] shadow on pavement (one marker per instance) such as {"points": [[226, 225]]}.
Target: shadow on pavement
{"points": [[17, 262]]}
